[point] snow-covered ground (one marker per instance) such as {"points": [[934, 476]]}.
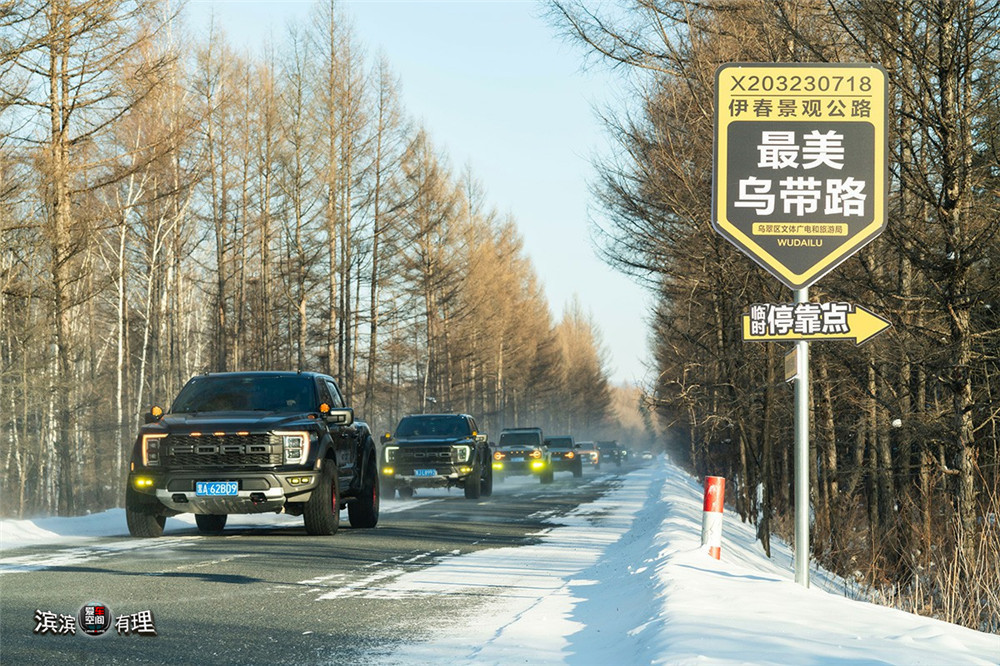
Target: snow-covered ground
{"points": [[624, 580]]}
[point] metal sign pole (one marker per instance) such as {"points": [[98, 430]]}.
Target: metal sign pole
{"points": [[802, 455]]}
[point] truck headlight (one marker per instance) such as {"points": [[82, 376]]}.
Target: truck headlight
{"points": [[295, 445], [151, 449], [462, 452], [390, 454]]}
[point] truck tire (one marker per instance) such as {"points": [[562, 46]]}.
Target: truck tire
{"points": [[322, 511], [405, 492], [210, 524], [547, 476], [578, 469], [363, 512], [143, 519], [473, 484], [488, 482]]}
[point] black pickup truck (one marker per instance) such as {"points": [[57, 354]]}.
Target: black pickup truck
{"points": [[436, 450], [253, 442]]}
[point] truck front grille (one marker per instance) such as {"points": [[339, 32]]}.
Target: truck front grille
{"points": [[424, 454], [221, 450]]}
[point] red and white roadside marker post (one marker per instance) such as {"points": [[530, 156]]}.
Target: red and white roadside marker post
{"points": [[711, 520]]}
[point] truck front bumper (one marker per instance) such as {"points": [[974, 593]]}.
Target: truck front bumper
{"points": [[258, 491], [444, 476]]}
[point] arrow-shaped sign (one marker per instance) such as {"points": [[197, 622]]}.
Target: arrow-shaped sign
{"points": [[812, 321]]}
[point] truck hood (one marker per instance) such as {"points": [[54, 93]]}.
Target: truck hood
{"points": [[232, 421], [432, 439]]}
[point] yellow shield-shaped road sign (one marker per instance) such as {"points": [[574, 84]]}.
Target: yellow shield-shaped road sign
{"points": [[800, 179]]}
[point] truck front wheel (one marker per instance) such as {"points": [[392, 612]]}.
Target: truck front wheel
{"points": [[487, 482], [322, 511], [363, 512], [473, 484], [143, 519]]}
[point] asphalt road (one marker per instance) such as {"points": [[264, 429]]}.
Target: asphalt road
{"points": [[271, 595]]}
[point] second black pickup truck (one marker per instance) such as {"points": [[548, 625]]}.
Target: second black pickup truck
{"points": [[436, 450]]}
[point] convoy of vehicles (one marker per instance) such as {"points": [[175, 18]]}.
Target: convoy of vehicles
{"points": [[434, 451], [257, 442], [253, 442]]}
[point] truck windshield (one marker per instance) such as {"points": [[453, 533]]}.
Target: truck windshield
{"points": [[560, 442], [433, 426], [518, 439], [246, 394]]}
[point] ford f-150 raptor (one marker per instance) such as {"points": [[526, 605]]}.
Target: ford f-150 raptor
{"points": [[253, 442], [436, 450]]}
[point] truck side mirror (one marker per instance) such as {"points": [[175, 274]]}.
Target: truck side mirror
{"points": [[344, 416], [386, 437]]}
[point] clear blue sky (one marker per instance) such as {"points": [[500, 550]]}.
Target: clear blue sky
{"points": [[496, 88]]}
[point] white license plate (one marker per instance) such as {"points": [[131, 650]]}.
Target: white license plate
{"points": [[425, 472], [216, 488]]}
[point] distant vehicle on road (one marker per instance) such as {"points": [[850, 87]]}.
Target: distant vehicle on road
{"points": [[523, 451], [611, 452], [589, 457], [564, 455], [436, 451], [647, 455]]}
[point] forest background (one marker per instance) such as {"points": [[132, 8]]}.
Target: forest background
{"points": [[170, 207]]}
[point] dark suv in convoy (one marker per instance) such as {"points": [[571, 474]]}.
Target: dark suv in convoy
{"points": [[436, 450], [253, 442], [523, 451], [565, 457], [610, 452]]}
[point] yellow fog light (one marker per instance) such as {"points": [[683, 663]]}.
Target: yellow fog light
{"points": [[497, 465], [537, 464], [142, 482], [464, 470], [388, 471]]}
